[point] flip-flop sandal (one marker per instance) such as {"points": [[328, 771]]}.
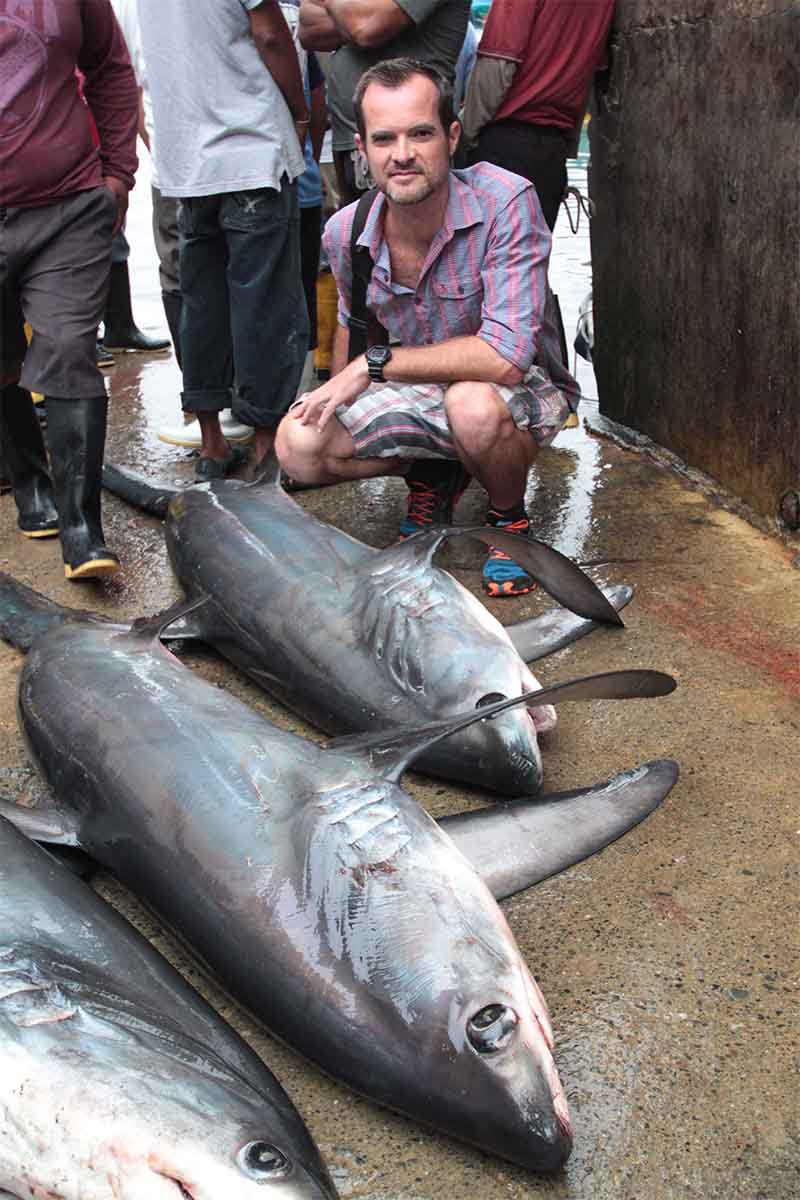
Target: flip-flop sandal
{"points": [[218, 468]]}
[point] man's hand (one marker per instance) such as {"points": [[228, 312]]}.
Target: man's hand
{"points": [[120, 193], [317, 407]]}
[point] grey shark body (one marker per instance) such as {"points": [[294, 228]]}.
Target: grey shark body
{"points": [[355, 639], [116, 1079], [322, 895]]}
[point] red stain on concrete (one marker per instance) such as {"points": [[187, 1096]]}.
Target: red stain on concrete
{"points": [[693, 615]]}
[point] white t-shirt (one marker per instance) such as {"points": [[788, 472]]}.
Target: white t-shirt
{"points": [[222, 124]]}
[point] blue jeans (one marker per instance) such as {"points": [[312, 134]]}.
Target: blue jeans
{"points": [[244, 326]]}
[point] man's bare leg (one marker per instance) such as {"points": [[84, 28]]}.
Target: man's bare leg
{"points": [[488, 442], [499, 455], [311, 456]]}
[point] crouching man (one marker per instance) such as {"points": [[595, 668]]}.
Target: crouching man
{"points": [[459, 281]]}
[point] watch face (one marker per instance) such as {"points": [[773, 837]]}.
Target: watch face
{"points": [[379, 355]]}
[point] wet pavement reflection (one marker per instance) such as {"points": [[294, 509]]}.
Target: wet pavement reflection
{"points": [[670, 961]]}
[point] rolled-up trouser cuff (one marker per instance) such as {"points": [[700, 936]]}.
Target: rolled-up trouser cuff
{"points": [[206, 399]]}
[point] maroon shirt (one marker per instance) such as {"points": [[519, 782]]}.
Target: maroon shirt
{"points": [[46, 145], [558, 45]]}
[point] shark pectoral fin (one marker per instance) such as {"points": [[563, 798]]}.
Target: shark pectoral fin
{"points": [[414, 551], [558, 627], [137, 490], [393, 751], [48, 824], [560, 577], [515, 845]]}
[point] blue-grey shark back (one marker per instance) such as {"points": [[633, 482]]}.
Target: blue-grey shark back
{"points": [[102, 1039], [355, 639], [303, 875]]}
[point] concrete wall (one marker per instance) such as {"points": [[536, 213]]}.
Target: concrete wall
{"points": [[696, 241]]}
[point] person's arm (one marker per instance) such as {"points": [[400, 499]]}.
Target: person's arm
{"points": [[111, 92], [370, 23], [317, 30], [273, 40], [490, 81], [143, 134], [319, 108]]}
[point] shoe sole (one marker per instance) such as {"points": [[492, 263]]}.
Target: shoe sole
{"points": [[501, 590], [195, 443], [97, 568], [39, 533], [136, 349]]}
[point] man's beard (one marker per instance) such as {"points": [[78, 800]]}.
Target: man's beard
{"points": [[415, 195]]}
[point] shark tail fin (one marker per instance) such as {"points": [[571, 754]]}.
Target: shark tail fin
{"points": [[153, 498], [517, 844], [25, 614]]}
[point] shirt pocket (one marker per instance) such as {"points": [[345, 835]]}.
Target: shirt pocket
{"points": [[459, 303]]}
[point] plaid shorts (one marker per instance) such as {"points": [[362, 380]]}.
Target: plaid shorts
{"points": [[408, 420]]}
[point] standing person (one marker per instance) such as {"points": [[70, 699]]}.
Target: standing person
{"points": [[309, 185], [230, 114], [165, 238], [365, 32], [62, 198], [459, 279], [527, 97]]}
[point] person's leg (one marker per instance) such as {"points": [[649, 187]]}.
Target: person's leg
{"points": [[310, 241], [21, 445], [26, 463], [537, 153], [62, 287], [380, 434], [205, 333], [120, 331], [165, 239], [498, 432], [270, 339]]}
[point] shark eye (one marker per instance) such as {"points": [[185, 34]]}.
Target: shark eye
{"points": [[492, 698], [261, 1161], [492, 1028]]}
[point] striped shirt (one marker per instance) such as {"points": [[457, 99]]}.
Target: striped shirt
{"points": [[485, 274]]}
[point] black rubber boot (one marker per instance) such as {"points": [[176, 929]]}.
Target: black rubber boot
{"points": [[26, 463], [76, 433], [173, 306], [120, 330]]}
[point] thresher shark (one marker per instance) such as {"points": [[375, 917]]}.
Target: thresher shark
{"points": [[370, 639]]}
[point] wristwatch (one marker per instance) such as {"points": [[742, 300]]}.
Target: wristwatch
{"points": [[377, 358]]}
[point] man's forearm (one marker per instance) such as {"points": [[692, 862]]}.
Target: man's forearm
{"points": [[488, 86], [367, 23], [463, 358], [317, 30], [275, 46]]}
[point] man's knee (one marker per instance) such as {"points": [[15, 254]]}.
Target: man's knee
{"points": [[301, 449], [477, 414]]}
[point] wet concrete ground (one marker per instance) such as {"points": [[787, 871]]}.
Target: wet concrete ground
{"points": [[670, 961]]}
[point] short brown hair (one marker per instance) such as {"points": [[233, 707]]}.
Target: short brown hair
{"points": [[393, 73]]}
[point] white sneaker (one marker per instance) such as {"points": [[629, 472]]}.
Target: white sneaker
{"points": [[189, 435]]}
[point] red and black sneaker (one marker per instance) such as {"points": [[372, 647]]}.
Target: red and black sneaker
{"points": [[435, 485], [501, 575]]}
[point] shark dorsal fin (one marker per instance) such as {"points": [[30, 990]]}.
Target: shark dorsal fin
{"points": [[560, 577], [392, 751]]}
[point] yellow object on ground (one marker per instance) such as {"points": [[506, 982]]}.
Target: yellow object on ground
{"points": [[37, 396], [327, 305]]}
